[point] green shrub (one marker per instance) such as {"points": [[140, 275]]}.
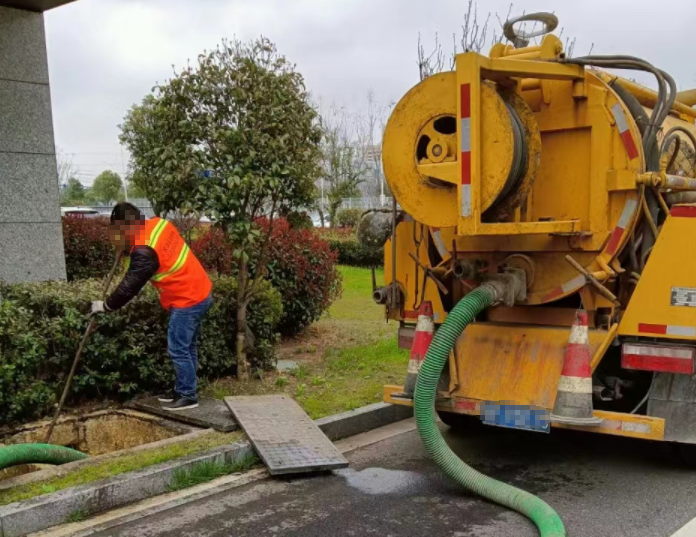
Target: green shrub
{"points": [[350, 251], [299, 220], [348, 217], [41, 325]]}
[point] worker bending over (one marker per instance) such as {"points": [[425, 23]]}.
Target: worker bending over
{"points": [[158, 254]]}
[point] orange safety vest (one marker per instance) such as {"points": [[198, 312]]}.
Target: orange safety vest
{"points": [[180, 280]]}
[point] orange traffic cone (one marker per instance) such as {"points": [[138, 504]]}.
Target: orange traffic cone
{"points": [[573, 404], [421, 341]]}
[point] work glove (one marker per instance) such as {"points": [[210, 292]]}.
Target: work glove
{"points": [[98, 307]]}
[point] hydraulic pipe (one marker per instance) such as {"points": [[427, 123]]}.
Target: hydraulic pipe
{"points": [[687, 97], [646, 96], [680, 197]]}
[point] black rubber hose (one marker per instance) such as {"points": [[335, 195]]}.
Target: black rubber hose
{"points": [[629, 62], [672, 132], [640, 117]]}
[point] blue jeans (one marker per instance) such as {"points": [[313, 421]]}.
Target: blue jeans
{"points": [[184, 327]]}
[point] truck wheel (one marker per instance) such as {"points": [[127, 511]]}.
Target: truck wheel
{"points": [[459, 422], [686, 453]]}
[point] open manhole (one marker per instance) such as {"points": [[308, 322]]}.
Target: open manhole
{"points": [[94, 434]]}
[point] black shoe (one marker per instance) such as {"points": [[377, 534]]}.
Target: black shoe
{"points": [[182, 403], [167, 397]]}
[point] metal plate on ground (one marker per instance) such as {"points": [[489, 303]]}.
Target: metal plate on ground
{"points": [[211, 413], [284, 436]]}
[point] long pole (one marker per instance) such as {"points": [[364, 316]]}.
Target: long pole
{"points": [[125, 176], [91, 327]]}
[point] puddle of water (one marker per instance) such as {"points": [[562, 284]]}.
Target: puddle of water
{"points": [[95, 434], [380, 480]]}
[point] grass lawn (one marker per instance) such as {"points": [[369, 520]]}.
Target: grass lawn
{"points": [[344, 359], [119, 465]]}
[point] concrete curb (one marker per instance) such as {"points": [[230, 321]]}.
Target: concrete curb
{"points": [[36, 514], [362, 419], [42, 512]]}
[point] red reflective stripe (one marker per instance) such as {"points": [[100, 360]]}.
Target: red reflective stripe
{"points": [[465, 100], [615, 240], [466, 168], [577, 361], [558, 291], [465, 405], [646, 328], [684, 211], [657, 363], [629, 144]]}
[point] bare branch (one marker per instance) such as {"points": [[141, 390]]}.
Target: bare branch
{"points": [[67, 169]]}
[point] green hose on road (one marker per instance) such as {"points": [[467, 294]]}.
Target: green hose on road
{"points": [[37, 454], [546, 519]]}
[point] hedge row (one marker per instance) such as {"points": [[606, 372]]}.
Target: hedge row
{"points": [[301, 265], [41, 325], [344, 242]]}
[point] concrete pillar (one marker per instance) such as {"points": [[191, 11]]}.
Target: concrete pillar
{"points": [[31, 239]]}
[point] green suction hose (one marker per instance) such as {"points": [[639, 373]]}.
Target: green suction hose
{"points": [[37, 454], [546, 519]]}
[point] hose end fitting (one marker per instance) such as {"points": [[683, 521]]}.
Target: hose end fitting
{"points": [[508, 287]]}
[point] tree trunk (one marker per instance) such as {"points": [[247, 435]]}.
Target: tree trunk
{"points": [[321, 217], [242, 364], [333, 209]]}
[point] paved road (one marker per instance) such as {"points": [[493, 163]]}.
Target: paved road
{"points": [[600, 486]]}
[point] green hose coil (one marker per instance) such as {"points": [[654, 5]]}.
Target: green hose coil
{"points": [[546, 519], [37, 454]]}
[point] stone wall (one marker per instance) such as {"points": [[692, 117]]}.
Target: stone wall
{"points": [[31, 241]]}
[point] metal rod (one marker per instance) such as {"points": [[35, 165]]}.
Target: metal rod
{"points": [[429, 274], [91, 327], [661, 200], [648, 217], [606, 293]]}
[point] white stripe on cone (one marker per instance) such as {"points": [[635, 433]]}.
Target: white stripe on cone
{"points": [[579, 335], [575, 384], [425, 324]]}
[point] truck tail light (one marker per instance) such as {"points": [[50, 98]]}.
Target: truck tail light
{"points": [[658, 358]]}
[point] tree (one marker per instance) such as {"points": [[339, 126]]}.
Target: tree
{"points": [[375, 122], [474, 38], [73, 194], [107, 187], [67, 169], [135, 191], [234, 138], [345, 158]]}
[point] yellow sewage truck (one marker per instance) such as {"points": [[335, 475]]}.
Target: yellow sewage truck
{"points": [[569, 188]]}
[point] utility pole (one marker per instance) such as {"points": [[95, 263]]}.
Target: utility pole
{"points": [[125, 176]]}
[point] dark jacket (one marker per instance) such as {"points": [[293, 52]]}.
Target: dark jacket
{"points": [[143, 266]]}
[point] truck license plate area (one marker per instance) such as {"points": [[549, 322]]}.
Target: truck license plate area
{"points": [[514, 416]]}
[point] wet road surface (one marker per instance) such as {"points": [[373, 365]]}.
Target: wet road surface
{"points": [[599, 485]]}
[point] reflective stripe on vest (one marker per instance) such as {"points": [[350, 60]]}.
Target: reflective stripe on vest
{"points": [[157, 233], [180, 260]]}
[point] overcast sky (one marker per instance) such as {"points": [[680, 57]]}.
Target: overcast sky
{"points": [[105, 55]]}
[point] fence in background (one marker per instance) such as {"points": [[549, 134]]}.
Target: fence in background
{"points": [[348, 203]]}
